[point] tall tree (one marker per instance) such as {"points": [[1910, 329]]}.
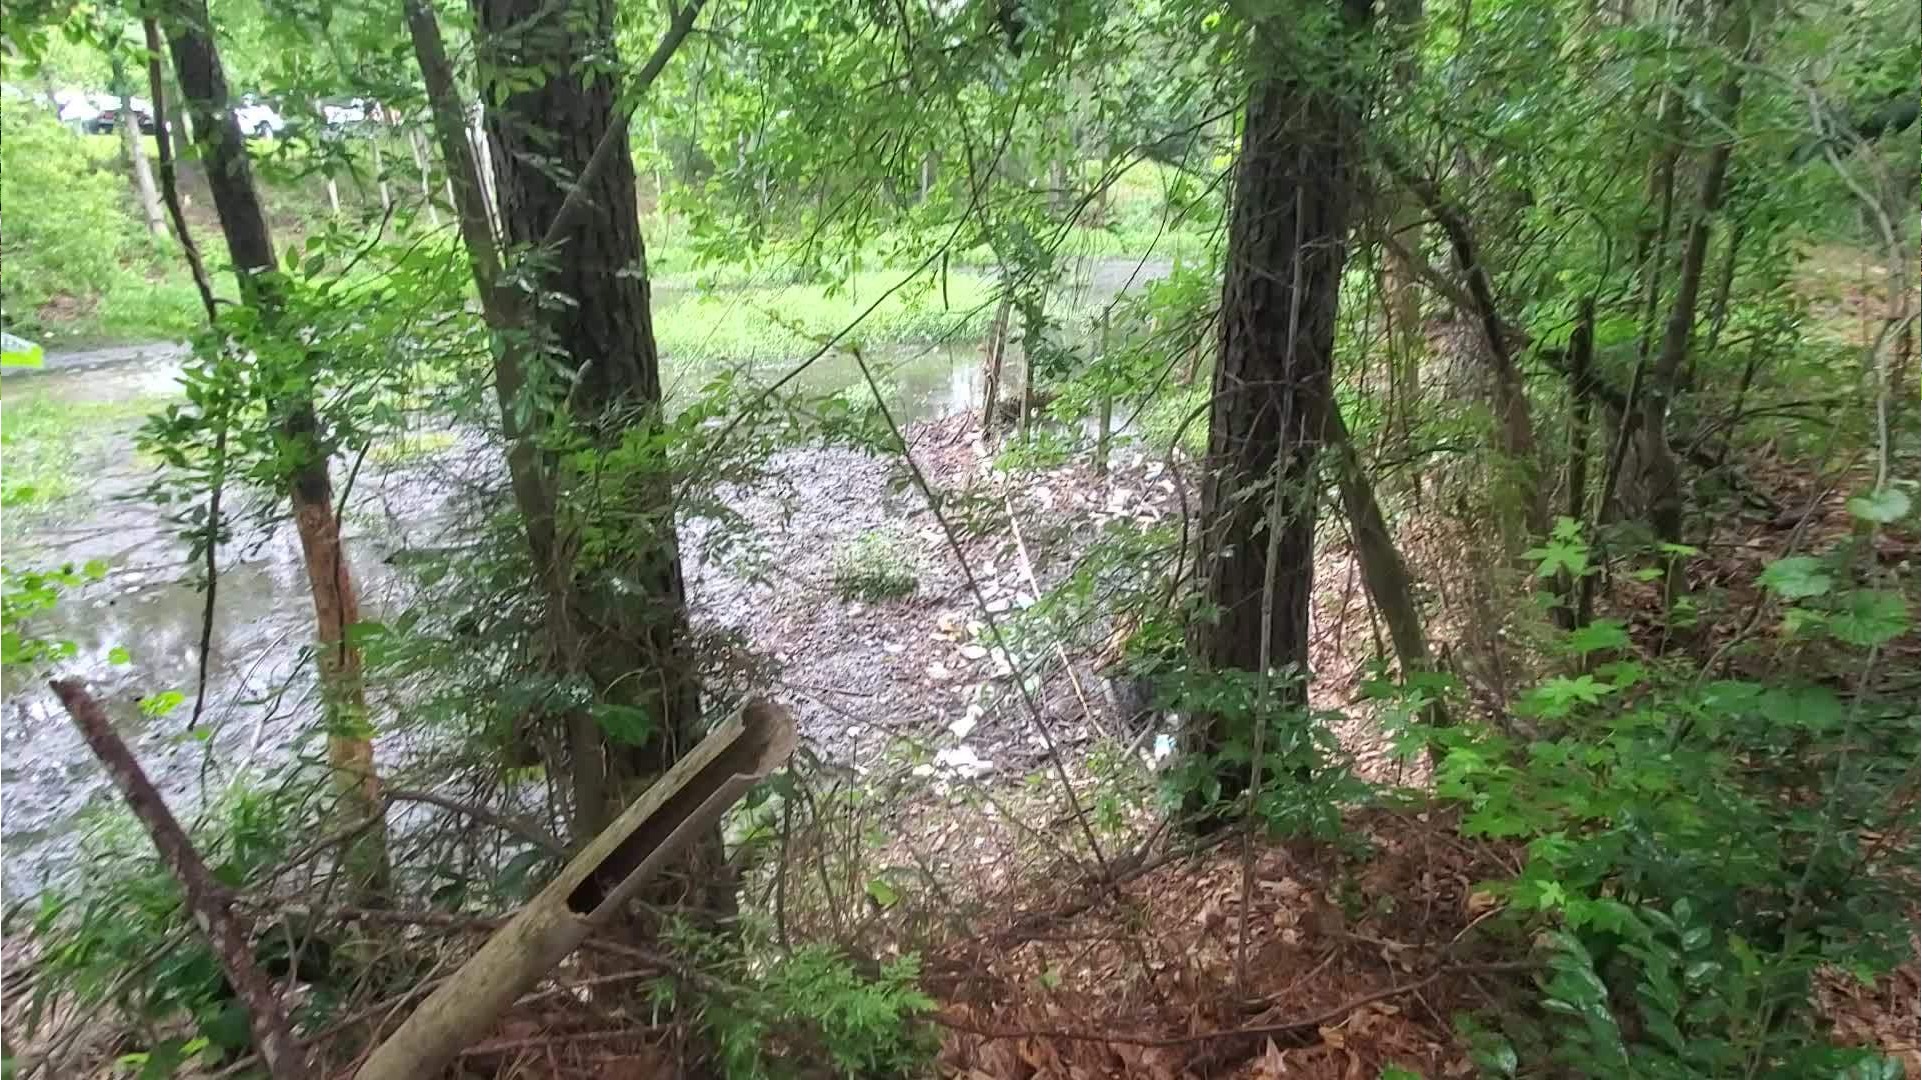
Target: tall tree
{"points": [[134, 146], [1294, 187], [601, 527], [1661, 476], [243, 222]]}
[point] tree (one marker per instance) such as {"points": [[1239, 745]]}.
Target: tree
{"points": [[601, 517], [134, 146], [1294, 187], [223, 152]]}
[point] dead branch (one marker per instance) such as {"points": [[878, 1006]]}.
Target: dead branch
{"points": [[210, 905]]}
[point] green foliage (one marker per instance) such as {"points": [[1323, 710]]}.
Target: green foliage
{"points": [[874, 566], [24, 594], [118, 941], [67, 229], [809, 1008], [1699, 849]]}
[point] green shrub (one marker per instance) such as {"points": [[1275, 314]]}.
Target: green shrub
{"points": [[66, 226], [793, 1014], [873, 567], [1700, 848]]}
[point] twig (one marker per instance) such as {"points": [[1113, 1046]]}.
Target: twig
{"points": [[1027, 569], [523, 829]]}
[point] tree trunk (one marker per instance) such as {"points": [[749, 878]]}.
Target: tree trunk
{"points": [[350, 751], [1294, 185], [1662, 478], [1515, 428], [380, 173], [136, 149], [1581, 357], [1382, 569], [621, 622]]}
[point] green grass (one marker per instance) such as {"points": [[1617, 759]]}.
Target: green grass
{"points": [[874, 566], [760, 325], [47, 447], [412, 447]]}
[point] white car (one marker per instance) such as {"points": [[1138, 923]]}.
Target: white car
{"points": [[82, 110], [257, 118], [345, 115]]}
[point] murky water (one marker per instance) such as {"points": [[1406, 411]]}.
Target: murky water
{"points": [[260, 685]]}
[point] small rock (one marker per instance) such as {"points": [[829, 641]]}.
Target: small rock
{"points": [[974, 652], [939, 672], [996, 607]]}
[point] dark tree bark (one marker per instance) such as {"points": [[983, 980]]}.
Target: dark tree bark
{"points": [[223, 153], [1581, 359], [1515, 425], [588, 253], [1294, 187], [1662, 479]]}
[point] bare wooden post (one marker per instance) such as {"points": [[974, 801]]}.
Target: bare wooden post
{"points": [[380, 171], [991, 379], [589, 893], [1107, 400], [426, 175], [206, 900]]}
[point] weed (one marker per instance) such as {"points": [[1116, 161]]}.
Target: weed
{"points": [[873, 567]]}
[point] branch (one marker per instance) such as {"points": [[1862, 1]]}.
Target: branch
{"points": [[522, 829], [209, 904], [614, 140]]}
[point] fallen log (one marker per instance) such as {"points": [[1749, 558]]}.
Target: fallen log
{"points": [[589, 892]]}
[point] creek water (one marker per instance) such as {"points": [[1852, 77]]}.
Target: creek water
{"points": [[259, 681]]}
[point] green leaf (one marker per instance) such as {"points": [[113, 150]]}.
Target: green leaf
{"points": [[1870, 617], [882, 893], [1882, 507], [119, 655], [95, 569], [1559, 555], [1796, 578], [162, 703], [626, 724], [1558, 696], [1807, 708], [1597, 636]]}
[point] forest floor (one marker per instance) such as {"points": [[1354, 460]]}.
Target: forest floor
{"points": [[1131, 963]]}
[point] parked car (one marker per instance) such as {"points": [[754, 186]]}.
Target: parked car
{"points": [[341, 116], [99, 114], [258, 118]]}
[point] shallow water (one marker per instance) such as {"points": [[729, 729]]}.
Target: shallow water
{"points": [[260, 686]]}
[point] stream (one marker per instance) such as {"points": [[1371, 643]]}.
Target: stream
{"points": [[260, 686]]}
